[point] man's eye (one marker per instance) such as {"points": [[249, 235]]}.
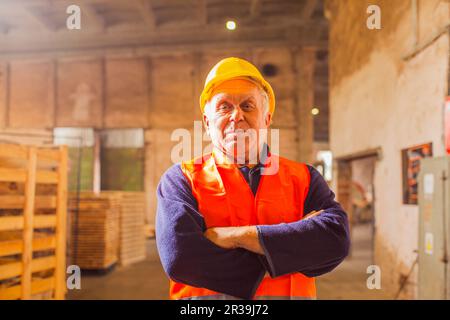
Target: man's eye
{"points": [[224, 106], [247, 106]]}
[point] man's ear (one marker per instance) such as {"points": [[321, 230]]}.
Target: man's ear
{"points": [[268, 119], [206, 122]]}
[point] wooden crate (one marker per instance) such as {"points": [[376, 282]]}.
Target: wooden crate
{"points": [[94, 239], [33, 205]]}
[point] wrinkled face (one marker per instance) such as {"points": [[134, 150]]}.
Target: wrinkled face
{"points": [[234, 116]]}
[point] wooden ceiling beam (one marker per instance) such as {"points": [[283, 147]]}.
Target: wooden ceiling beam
{"points": [[308, 9], [93, 18], [37, 20], [255, 9], [146, 10], [203, 12], [161, 41]]}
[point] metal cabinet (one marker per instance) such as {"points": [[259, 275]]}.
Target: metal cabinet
{"points": [[434, 227]]}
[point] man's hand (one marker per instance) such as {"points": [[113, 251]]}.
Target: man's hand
{"points": [[235, 237], [224, 237], [312, 214]]}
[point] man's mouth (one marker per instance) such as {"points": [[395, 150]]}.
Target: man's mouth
{"points": [[235, 131], [234, 134]]}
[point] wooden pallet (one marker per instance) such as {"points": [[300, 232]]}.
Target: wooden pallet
{"points": [[94, 240], [130, 229], [132, 219], [33, 205]]}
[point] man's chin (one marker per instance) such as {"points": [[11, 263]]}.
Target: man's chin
{"points": [[239, 156]]}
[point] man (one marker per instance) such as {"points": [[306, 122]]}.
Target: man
{"points": [[231, 226]]}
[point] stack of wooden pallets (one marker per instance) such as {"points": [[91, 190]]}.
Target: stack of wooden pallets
{"points": [[94, 239], [132, 235], [33, 205], [107, 228]]}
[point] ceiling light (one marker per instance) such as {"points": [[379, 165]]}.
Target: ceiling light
{"points": [[231, 25]]}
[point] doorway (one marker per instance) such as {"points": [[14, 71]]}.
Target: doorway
{"points": [[356, 193], [355, 182], [362, 201]]}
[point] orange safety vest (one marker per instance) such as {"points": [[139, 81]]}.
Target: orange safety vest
{"points": [[225, 199]]}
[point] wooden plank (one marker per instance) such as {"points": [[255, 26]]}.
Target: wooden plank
{"points": [[12, 201], [41, 264], [17, 222], [50, 155], [10, 270], [45, 221], [44, 243], [46, 177], [15, 269], [19, 175], [61, 212], [13, 151], [18, 202], [11, 223], [47, 202], [42, 285], [46, 157], [28, 212], [37, 286], [12, 175], [11, 293], [11, 247]]}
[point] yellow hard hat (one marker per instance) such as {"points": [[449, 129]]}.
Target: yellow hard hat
{"points": [[233, 68]]}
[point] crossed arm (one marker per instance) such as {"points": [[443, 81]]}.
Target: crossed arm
{"points": [[233, 260], [241, 237]]}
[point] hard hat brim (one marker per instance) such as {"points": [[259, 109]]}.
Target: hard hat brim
{"points": [[207, 91]]}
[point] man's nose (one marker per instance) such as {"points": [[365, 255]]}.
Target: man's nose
{"points": [[237, 114]]}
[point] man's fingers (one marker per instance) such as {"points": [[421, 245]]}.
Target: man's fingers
{"points": [[312, 214]]}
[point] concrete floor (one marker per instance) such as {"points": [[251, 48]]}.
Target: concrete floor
{"points": [[142, 280], [146, 279], [349, 280]]}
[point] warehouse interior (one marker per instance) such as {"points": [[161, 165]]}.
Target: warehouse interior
{"points": [[88, 115]]}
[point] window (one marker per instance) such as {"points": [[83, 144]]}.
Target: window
{"points": [[122, 159]]}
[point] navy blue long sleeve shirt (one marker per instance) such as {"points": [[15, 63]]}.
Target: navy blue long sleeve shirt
{"points": [[313, 246]]}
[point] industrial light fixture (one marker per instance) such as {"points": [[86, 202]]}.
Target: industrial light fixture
{"points": [[231, 25], [315, 111]]}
